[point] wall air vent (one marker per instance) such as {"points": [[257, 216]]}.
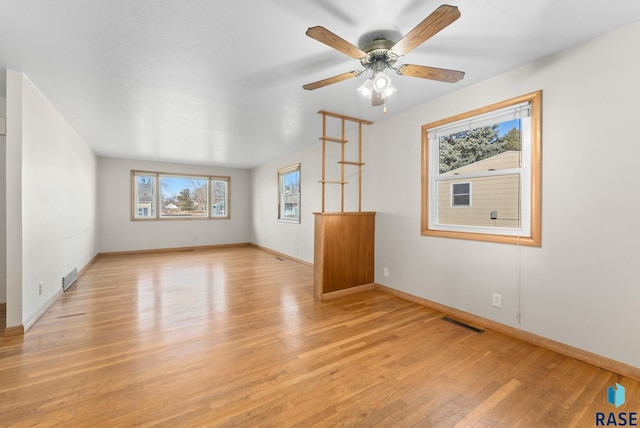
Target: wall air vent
{"points": [[69, 279]]}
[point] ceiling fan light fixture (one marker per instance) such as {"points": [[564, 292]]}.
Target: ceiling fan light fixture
{"points": [[366, 89], [381, 82], [389, 91]]}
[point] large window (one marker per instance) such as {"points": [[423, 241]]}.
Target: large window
{"points": [[183, 196], [289, 194], [481, 173], [170, 196]]}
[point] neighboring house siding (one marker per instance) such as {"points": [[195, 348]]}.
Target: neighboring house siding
{"points": [[500, 194]]}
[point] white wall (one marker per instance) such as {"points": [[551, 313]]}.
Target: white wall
{"points": [[13, 198], [51, 200], [581, 287], [3, 203], [118, 233], [293, 239]]}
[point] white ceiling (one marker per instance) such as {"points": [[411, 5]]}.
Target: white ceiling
{"points": [[220, 82]]}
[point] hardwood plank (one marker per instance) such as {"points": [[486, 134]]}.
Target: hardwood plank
{"points": [[233, 337], [485, 408]]}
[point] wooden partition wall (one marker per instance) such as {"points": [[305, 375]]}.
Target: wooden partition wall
{"points": [[343, 241]]}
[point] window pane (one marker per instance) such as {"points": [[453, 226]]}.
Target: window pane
{"points": [[500, 193], [219, 197], [460, 149], [289, 193], [183, 196], [461, 188], [144, 205], [290, 206], [460, 200]]}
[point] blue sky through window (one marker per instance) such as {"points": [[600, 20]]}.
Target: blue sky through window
{"points": [[291, 178], [172, 186], [507, 126]]}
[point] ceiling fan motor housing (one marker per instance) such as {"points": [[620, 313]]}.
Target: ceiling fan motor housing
{"points": [[379, 55]]}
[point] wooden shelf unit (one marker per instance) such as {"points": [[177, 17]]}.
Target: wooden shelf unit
{"points": [[343, 241], [351, 163], [333, 140], [341, 140], [333, 182]]}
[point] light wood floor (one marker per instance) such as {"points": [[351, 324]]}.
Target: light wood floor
{"points": [[233, 337]]}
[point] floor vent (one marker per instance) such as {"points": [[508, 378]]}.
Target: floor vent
{"points": [[72, 315], [185, 250], [280, 258], [463, 324], [69, 279]]}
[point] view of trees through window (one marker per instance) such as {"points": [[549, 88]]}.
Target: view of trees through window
{"points": [[179, 196], [480, 171], [219, 190], [464, 148], [183, 196]]}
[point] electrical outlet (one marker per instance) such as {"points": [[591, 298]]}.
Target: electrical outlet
{"points": [[40, 289], [497, 300], [385, 272]]}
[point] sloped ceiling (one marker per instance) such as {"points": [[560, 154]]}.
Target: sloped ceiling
{"points": [[220, 83]]}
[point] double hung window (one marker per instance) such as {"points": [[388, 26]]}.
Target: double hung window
{"points": [[289, 194], [481, 173]]}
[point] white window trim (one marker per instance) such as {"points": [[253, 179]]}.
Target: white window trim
{"points": [[281, 173]]}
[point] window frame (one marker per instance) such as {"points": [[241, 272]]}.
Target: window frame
{"points": [[156, 196], [227, 195], [282, 172], [453, 195], [529, 232], [135, 208]]}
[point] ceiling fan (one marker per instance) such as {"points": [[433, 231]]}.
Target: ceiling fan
{"points": [[380, 53]]}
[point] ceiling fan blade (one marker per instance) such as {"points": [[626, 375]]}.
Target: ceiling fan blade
{"points": [[376, 99], [331, 80], [424, 72], [429, 27], [330, 39]]}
